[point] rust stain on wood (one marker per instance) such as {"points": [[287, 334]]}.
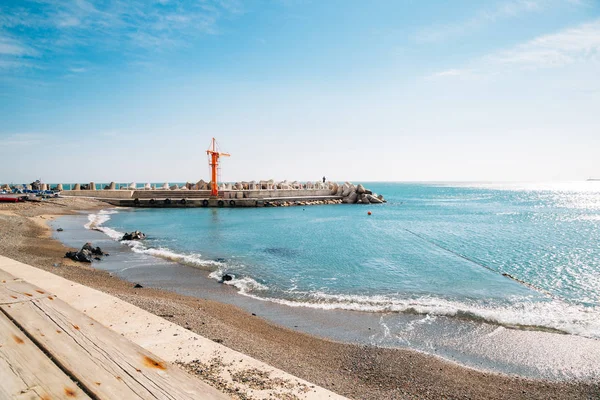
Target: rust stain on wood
{"points": [[50, 298], [98, 383], [149, 362], [17, 339], [58, 331], [3, 281], [27, 294], [40, 291], [75, 326], [14, 297], [70, 392]]}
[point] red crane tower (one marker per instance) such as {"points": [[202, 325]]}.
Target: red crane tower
{"points": [[213, 161]]}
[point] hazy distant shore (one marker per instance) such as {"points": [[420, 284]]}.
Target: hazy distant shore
{"points": [[354, 371]]}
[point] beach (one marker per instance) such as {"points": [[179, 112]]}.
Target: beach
{"points": [[355, 371]]}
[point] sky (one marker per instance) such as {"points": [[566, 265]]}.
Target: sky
{"points": [[382, 90]]}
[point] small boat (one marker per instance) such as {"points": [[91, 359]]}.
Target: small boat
{"points": [[9, 199]]}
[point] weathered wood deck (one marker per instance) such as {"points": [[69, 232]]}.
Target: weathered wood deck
{"points": [[49, 350]]}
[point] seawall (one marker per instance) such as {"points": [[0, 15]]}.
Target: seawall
{"points": [[237, 196]]}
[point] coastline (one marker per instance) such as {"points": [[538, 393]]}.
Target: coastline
{"points": [[351, 370]]}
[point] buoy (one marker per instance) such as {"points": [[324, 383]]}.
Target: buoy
{"points": [[369, 213]]}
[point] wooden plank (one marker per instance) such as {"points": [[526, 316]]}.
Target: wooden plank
{"points": [[26, 372], [106, 363], [5, 276], [14, 290]]}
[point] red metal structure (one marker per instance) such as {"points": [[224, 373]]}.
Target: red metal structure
{"points": [[213, 161]]}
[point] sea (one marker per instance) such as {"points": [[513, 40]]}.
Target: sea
{"points": [[436, 265]]}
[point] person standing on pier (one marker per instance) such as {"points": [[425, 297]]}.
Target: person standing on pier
{"points": [[323, 179]]}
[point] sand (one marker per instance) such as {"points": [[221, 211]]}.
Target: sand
{"points": [[358, 372]]}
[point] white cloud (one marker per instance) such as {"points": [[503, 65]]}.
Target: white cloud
{"points": [[449, 72], [21, 139], [56, 26], [12, 47], [580, 44], [503, 10]]}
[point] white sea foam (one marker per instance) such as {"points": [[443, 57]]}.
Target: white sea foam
{"points": [[244, 284], [555, 314], [96, 222], [193, 260]]}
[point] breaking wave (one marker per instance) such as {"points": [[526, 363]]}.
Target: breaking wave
{"points": [[96, 222], [554, 315]]}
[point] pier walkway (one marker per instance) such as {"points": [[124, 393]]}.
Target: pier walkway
{"points": [[63, 340], [49, 350]]}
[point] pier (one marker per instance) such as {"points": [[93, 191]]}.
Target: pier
{"points": [[239, 194]]}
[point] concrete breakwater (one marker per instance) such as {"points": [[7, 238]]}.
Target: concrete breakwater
{"points": [[239, 194]]}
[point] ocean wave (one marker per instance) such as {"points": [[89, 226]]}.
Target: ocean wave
{"points": [[244, 284], [192, 260], [96, 222], [552, 314]]}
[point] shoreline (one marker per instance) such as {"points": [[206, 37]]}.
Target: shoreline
{"points": [[352, 370]]}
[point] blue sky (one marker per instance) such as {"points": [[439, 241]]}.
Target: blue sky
{"points": [[378, 90]]}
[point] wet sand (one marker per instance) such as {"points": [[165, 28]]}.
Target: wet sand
{"points": [[360, 372]]}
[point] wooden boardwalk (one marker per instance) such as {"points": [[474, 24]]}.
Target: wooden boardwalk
{"points": [[49, 350]]}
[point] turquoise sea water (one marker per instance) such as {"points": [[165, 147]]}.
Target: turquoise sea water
{"points": [[439, 249]]}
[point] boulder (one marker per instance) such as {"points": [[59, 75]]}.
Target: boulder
{"points": [[373, 200], [136, 235], [81, 256], [351, 198], [360, 189], [346, 189], [334, 188], [97, 251], [132, 186], [226, 278], [165, 186], [77, 187], [59, 187], [201, 185], [86, 254], [147, 186]]}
